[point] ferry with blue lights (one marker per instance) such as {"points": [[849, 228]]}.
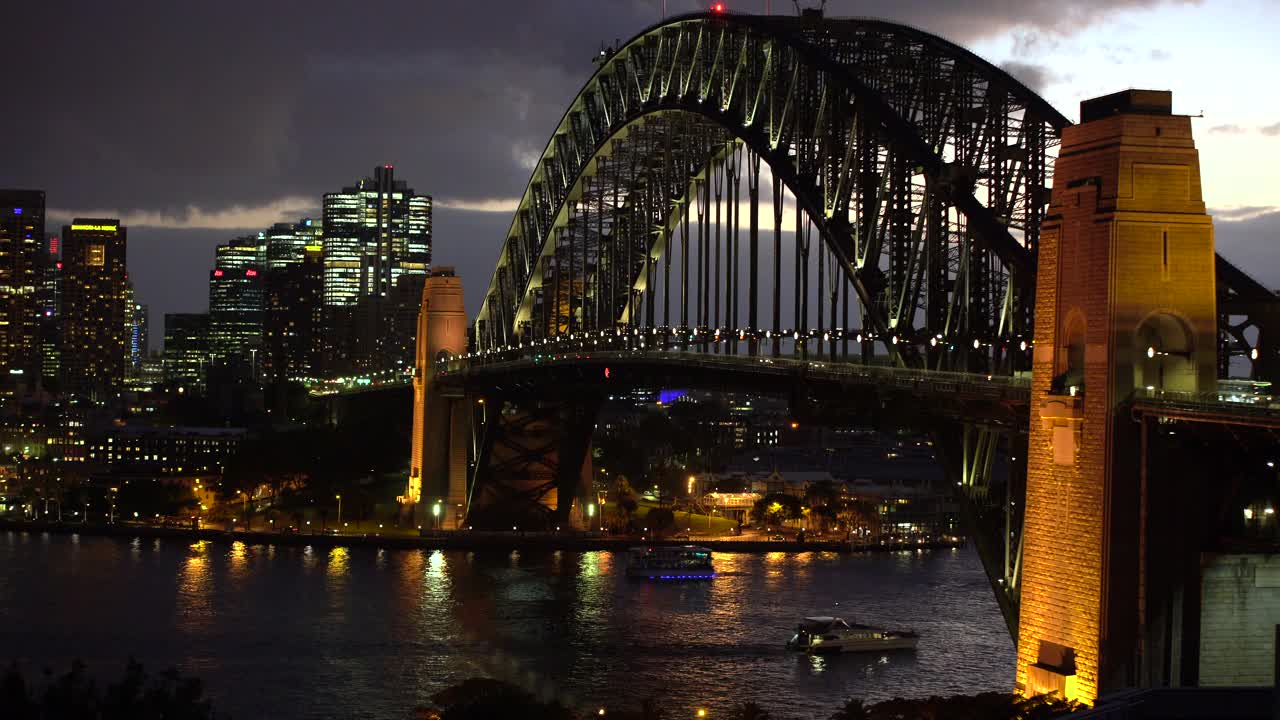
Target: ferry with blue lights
{"points": [[684, 562]]}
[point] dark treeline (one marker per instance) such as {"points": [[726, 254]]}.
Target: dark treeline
{"points": [[75, 695], [484, 699]]}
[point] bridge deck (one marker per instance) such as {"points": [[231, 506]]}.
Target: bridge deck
{"points": [[1009, 389]]}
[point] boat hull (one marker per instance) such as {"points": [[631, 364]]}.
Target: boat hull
{"points": [[669, 574], [855, 646]]}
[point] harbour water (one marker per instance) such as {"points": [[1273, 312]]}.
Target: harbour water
{"points": [[300, 632]]}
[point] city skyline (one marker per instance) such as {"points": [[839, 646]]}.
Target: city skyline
{"points": [[465, 119]]}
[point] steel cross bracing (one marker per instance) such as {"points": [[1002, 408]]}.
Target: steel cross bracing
{"points": [[917, 173]]}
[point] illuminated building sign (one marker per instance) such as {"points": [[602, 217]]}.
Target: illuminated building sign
{"points": [[251, 273], [217, 273], [666, 397], [95, 228]]}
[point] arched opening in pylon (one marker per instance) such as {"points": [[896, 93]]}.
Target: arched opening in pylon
{"points": [[1164, 348]]}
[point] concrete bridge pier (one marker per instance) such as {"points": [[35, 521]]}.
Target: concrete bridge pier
{"points": [[436, 494]]}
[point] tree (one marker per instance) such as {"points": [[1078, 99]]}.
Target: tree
{"points": [[774, 508], [853, 709], [823, 499], [75, 696], [486, 699], [660, 520]]}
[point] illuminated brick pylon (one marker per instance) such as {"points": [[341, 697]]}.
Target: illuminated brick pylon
{"points": [[437, 487], [1125, 300]]}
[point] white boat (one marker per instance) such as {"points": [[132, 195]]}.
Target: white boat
{"points": [[684, 562], [823, 635]]}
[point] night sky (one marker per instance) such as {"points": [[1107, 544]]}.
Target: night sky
{"points": [[196, 122]]}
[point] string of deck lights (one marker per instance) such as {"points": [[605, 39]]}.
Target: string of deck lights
{"points": [[705, 336]]}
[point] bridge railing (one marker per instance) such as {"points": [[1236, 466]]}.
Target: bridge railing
{"points": [[1226, 400], [819, 368]]}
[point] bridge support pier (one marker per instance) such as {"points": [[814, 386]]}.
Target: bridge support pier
{"points": [[436, 492], [1125, 301]]}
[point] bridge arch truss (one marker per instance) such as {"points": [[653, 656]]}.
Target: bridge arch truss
{"points": [[918, 175]]}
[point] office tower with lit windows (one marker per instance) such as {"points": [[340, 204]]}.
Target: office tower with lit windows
{"points": [[138, 318], [288, 243], [291, 339], [94, 309], [49, 310], [186, 349], [235, 301], [21, 239], [376, 232]]}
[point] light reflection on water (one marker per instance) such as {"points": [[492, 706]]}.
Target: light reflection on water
{"points": [[316, 632]]}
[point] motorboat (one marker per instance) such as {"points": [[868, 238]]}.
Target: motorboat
{"points": [[829, 635], [682, 562]]}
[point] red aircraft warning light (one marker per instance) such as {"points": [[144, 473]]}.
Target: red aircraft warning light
{"points": [[717, 8]]}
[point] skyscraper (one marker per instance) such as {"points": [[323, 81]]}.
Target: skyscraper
{"points": [[186, 349], [287, 243], [291, 321], [93, 304], [21, 238], [49, 309], [235, 300], [375, 233], [137, 337]]}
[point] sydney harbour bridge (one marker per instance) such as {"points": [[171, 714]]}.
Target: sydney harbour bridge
{"points": [[849, 213]]}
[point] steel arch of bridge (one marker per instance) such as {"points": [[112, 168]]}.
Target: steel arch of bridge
{"points": [[922, 169]]}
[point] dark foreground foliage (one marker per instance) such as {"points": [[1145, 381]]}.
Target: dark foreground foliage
{"points": [[484, 699], [75, 696]]}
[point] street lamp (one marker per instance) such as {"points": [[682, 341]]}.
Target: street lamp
{"points": [[435, 514], [339, 499], [244, 506]]}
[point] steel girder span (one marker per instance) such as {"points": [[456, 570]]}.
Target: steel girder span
{"points": [[918, 173]]}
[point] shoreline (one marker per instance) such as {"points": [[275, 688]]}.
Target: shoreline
{"points": [[469, 540]]}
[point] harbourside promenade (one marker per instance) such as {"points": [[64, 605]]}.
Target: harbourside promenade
{"points": [[466, 540]]}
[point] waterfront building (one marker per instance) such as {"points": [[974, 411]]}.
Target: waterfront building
{"points": [[166, 450], [21, 238], [186, 349], [94, 283], [376, 232], [236, 300]]}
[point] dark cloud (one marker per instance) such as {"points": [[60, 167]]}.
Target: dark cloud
{"points": [[209, 114], [1229, 129], [1250, 238], [1270, 130], [1036, 77]]}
